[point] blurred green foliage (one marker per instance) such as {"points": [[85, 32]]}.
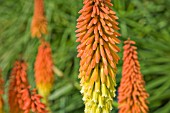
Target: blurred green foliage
{"points": [[145, 21]]}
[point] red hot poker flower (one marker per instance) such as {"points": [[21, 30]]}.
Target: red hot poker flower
{"points": [[44, 74], [32, 101], [39, 22], [132, 96], [97, 34], [21, 100], [18, 81], [36, 105]]}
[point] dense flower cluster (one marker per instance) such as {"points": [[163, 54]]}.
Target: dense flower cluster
{"points": [[97, 34], [1, 93], [132, 94], [39, 22], [44, 74], [32, 101], [18, 81], [21, 100]]}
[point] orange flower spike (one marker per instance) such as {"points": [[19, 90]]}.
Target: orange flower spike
{"points": [[97, 34], [44, 74], [18, 81], [37, 106], [32, 101], [21, 99], [132, 96], [39, 22], [1, 93]]}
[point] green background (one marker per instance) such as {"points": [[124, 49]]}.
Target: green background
{"points": [[145, 21]]}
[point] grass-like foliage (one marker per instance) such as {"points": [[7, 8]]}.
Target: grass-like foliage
{"points": [[145, 21]]}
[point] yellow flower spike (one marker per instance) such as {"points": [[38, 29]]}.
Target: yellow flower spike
{"points": [[97, 34]]}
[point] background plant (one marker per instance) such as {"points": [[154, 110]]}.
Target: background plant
{"points": [[145, 21]]}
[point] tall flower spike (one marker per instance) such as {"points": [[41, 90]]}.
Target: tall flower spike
{"points": [[132, 94], [39, 22], [97, 34], [44, 74], [1, 93], [21, 100]]}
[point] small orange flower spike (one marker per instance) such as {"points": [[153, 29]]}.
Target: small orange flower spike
{"points": [[1, 93], [32, 101], [39, 22], [18, 81], [21, 100], [44, 74], [97, 34], [132, 96]]}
